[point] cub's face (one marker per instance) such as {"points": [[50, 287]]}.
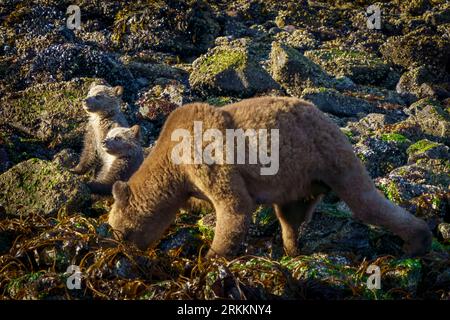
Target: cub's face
{"points": [[120, 141], [102, 98]]}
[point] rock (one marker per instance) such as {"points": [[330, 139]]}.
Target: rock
{"points": [[41, 186], [49, 113], [432, 119], [439, 15], [422, 188], [294, 71], [427, 149], [371, 123], [4, 160], [185, 239], [444, 230], [176, 26], [66, 158], [62, 62], [382, 154], [299, 39], [361, 67], [158, 102], [152, 70], [416, 81], [415, 8], [230, 70], [331, 101], [404, 274], [420, 47], [325, 276], [333, 234], [427, 120]]}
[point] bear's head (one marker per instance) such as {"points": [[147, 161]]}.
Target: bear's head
{"points": [[122, 141], [130, 223], [102, 99]]}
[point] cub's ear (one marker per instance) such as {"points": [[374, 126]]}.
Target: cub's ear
{"points": [[118, 91], [136, 130], [121, 192]]}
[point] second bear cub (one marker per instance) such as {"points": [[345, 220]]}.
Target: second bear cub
{"points": [[124, 155]]}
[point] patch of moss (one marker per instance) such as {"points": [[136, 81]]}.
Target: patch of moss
{"points": [[223, 59], [391, 192], [421, 146], [347, 132], [206, 231], [396, 137], [219, 101]]}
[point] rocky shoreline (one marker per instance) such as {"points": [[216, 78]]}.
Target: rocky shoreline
{"points": [[388, 90]]}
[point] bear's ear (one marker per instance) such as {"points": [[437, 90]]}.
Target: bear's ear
{"points": [[118, 90], [121, 192], [135, 130]]}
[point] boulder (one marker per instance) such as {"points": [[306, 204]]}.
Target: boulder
{"points": [[51, 114], [294, 71], [420, 47], [336, 103], [382, 154], [361, 67], [230, 70], [41, 186]]}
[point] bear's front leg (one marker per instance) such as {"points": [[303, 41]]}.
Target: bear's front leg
{"points": [[234, 207], [88, 155], [232, 225]]}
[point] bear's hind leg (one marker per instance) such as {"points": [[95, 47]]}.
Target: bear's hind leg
{"points": [[356, 189], [291, 216]]}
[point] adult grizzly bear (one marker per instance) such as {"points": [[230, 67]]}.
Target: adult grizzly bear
{"points": [[313, 156]]}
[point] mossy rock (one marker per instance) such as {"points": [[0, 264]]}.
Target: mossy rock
{"points": [[361, 67], [432, 119], [50, 113], [403, 274], [421, 187], [417, 48], [299, 39], [382, 154], [230, 70], [326, 276], [427, 149], [419, 82], [294, 71], [41, 186]]}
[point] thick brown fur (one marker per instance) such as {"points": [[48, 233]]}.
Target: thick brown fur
{"points": [[313, 156], [125, 156]]}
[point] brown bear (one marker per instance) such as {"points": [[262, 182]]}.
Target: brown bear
{"points": [[124, 155], [314, 156]]}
